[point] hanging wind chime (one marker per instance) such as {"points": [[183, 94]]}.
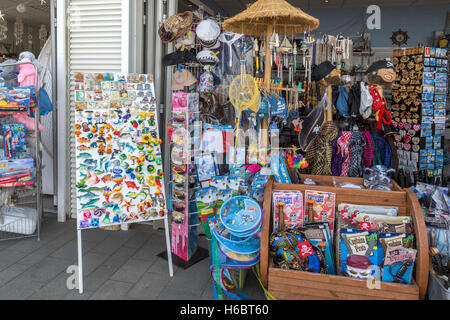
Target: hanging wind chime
{"points": [[18, 31], [42, 36], [3, 28]]}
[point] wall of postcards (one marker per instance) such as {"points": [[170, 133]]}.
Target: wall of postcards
{"points": [[419, 103], [185, 140], [119, 176], [434, 100]]}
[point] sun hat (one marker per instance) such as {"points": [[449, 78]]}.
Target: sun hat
{"points": [[207, 57], [208, 32], [181, 79], [322, 70], [178, 57], [175, 26]]}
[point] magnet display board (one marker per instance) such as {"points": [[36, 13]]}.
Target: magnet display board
{"points": [[119, 176]]}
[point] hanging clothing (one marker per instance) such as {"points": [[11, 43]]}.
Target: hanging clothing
{"points": [[379, 107], [356, 148], [321, 165], [232, 52], [368, 150], [336, 157], [354, 100], [343, 144], [342, 102]]}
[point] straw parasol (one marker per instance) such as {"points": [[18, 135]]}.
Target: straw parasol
{"points": [[285, 18], [265, 16]]}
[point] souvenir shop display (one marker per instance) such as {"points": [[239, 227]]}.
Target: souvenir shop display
{"points": [[326, 139], [117, 154], [419, 96], [20, 157], [372, 242]]}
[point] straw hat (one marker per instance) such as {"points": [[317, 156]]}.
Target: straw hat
{"points": [[182, 79], [176, 26]]}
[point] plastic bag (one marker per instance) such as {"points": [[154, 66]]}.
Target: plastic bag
{"points": [[313, 122]]}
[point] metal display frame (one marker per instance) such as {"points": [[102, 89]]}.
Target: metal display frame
{"points": [[37, 161]]}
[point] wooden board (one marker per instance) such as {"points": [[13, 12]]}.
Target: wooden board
{"points": [[291, 284]]}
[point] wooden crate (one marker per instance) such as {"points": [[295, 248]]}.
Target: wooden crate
{"points": [[298, 285]]}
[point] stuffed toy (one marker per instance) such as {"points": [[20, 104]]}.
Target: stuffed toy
{"points": [[27, 74], [27, 121]]}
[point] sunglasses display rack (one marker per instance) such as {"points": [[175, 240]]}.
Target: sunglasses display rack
{"points": [[184, 212]]}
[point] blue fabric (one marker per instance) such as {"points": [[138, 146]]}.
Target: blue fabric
{"points": [[342, 102]]}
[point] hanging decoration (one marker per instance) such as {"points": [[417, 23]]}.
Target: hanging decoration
{"points": [[399, 37], [21, 8], [18, 31], [30, 39], [43, 35], [3, 28], [2, 15]]}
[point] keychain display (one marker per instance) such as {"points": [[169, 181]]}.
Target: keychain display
{"points": [[119, 176]]}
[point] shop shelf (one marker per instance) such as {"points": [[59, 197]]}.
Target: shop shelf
{"points": [[299, 285]]}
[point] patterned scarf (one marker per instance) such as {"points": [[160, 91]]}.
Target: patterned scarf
{"points": [[336, 158], [356, 147], [342, 145], [368, 150], [321, 163]]}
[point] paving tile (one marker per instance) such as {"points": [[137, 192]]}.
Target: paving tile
{"points": [[161, 266], [138, 240], [132, 270], [37, 256], [92, 261], [118, 258], [46, 269], [70, 249], [149, 286], [113, 242], [193, 278], [150, 250], [9, 257], [98, 277], [111, 290], [19, 288], [11, 272], [95, 235], [56, 289]]}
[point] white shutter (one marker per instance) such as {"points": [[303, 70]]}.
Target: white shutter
{"points": [[98, 35]]}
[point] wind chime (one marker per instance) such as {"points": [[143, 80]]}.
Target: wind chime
{"points": [[42, 36], [3, 28], [18, 31]]}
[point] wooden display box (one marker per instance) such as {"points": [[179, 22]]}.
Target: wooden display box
{"points": [[299, 285]]}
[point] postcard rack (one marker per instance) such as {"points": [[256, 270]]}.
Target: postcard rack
{"points": [[19, 224], [294, 285]]}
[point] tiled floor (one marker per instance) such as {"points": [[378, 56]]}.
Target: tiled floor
{"points": [[117, 265]]}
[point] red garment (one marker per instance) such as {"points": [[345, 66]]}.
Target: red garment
{"points": [[379, 106]]}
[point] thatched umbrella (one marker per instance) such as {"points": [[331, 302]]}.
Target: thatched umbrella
{"points": [[265, 16]]}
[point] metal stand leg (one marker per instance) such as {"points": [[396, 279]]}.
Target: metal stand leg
{"points": [[169, 250], [80, 263]]}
